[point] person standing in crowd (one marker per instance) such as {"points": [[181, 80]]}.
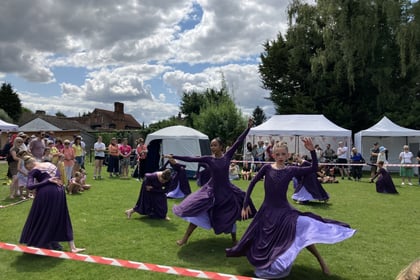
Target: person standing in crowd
{"points": [[152, 198], [406, 172], [278, 231], [217, 204], [418, 162], [269, 151], [329, 153], [99, 149], [78, 152], [384, 184], [141, 154], [68, 158], [248, 156], [382, 157], [13, 166], [22, 176], [374, 152], [48, 222], [114, 159], [356, 158], [125, 153], [342, 158], [319, 153], [37, 146]]}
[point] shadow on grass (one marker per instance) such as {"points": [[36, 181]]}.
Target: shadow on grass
{"points": [[152, 222], [316, 204], [209, 253], [34, 263], [298, 272]]}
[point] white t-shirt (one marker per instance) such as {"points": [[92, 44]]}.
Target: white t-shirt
{"points": [[342, 152], [99, 149], [406, 157]]}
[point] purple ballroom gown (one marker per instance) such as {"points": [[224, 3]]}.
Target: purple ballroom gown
{"points": [[48, 220], [278, 231], [179, 187], [308, 188], [384, 184], [218, 203], [152, 203]]}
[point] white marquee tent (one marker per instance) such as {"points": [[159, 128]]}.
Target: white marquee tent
{"points": [[7, 127], [178, 140], [290, 128], [389, 135]]}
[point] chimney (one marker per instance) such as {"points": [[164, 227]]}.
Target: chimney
{"points": [[119, 108], [40, 112]]}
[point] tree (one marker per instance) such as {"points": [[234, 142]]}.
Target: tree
{"points": [[353, 61], [5, 117], [259, 116], [222, 120], [10, 102], [60, 114]]}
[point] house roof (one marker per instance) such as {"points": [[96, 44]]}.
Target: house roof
{"points": [[129, 120], [51, 123]]}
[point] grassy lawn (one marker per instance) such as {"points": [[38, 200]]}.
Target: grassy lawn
{"points": [[387, 237]]}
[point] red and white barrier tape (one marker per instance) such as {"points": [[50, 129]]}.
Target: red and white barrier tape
{"points": [[14, 203], [336, 163], [123, 263]]}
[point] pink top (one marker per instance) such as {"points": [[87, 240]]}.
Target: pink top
{"points": [[68, 153]]}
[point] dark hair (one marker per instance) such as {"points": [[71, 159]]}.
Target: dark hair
{"points": [[166, 174], [249, 146], [220, 141]]}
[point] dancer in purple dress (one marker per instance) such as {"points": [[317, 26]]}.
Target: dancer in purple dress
{"points": [[218, 203], [179, 187], [307, 187], [384, 184], [278, 231], [49, 221], [152, 197]]}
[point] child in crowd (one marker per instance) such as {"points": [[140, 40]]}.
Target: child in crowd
{"points": [[246, 172], [75, 185], [234, 171], [22, 176]]}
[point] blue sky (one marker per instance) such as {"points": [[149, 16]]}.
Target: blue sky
{"points": [[75, 56]]}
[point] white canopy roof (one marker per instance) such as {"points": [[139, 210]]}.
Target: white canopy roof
{"points": [[5, 126], [385, 127], [300, 125], [176, 132]]}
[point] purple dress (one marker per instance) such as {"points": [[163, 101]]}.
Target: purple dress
{"points": [[179, 186], [218, 203], [49, 219], [308, 188], [384, 184], [278, 231], [152, 203]]}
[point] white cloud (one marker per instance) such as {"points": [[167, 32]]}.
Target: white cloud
{"points": [[123, 49]]}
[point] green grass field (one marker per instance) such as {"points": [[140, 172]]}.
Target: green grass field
{"points": [[387, 237]]}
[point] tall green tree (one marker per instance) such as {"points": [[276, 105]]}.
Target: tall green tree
{"points": [[5, 117], [220, 119], [10, 102], [353, 61], [259, 116]]}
